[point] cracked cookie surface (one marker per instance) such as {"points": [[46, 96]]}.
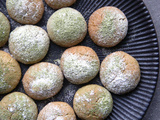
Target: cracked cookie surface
{"points": [[92, 102], [107, 26], [25, 11], [120, 72], [42, 80], [57, 111], [29, 44], [79, 64], [18, 106]]}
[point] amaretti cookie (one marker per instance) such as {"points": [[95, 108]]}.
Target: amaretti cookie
{"points": [[18, 106], [4, 29], [79, 64], [10, 73], [120, 72], [57, 111], [25, 11], [66, 27], [42, 80], [92, 102], [56, 4], [29, 44], [107, 26]]}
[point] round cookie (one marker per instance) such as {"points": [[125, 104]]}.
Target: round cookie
{"points": [[18, 106], [29, 44], [92, 102], [42, 80], [25, 11], [10, 73], [120, 72], [56, 4], [4, 29], [107, 26], [79, 64], [67, 27], [57, 111]]}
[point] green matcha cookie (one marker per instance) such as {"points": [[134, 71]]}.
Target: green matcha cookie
{"points": [[18, 106], [79, 64], [25, 11], [67, 27], [120, 72], [4, 29], [57, 111], [10, 73], [29, 44], [107, 26], [43, 80], [92, 102]]}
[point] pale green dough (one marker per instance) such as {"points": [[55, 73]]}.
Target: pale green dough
{"points": [[4, 29], [67, 27]]}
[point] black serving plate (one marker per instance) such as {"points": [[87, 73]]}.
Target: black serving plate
{"points": [[141, 42]]}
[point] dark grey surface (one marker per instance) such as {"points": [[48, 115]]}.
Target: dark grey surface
{"points": [[153, 113]]}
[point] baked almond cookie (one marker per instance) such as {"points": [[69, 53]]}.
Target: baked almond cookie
{"points": [[42, 80], [57, 111], [25, 11], [56, 4], [10, 73], [4, 29], [107, 26], [92, 102], [29, 44], [79, 64], [18, 106], [67, 27], [120, 72]]}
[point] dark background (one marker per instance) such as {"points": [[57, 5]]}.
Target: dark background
{"points": [[153, 113]]}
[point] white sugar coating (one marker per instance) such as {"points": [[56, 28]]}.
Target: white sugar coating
{"points": [[44, 80], [77, 69], [92, 101], [20, 106], [115, 75], [29, 44], [25, 11], [57, 111]]}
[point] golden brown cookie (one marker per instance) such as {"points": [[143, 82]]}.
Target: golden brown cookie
{"points": [[92, 102], [18, 106], [79, 64], [57, 4], [66, 27], [43, 80], [57, 111], [120, 72], [10, 73], [4, 29], [25, 11], [107, 26]]}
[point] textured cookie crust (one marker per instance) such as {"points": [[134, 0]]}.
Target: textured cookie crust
{"points": [[120, 72], [10, 73], [57, 111], [92, 102], [4, 29], [79, 64], [25, 11], [29, 44], [18, 106], [56, 4], [67, 27], [107, 26], [43, 80]]}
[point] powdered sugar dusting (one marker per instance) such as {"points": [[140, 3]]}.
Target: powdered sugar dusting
{"points": [[78, 69]]}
